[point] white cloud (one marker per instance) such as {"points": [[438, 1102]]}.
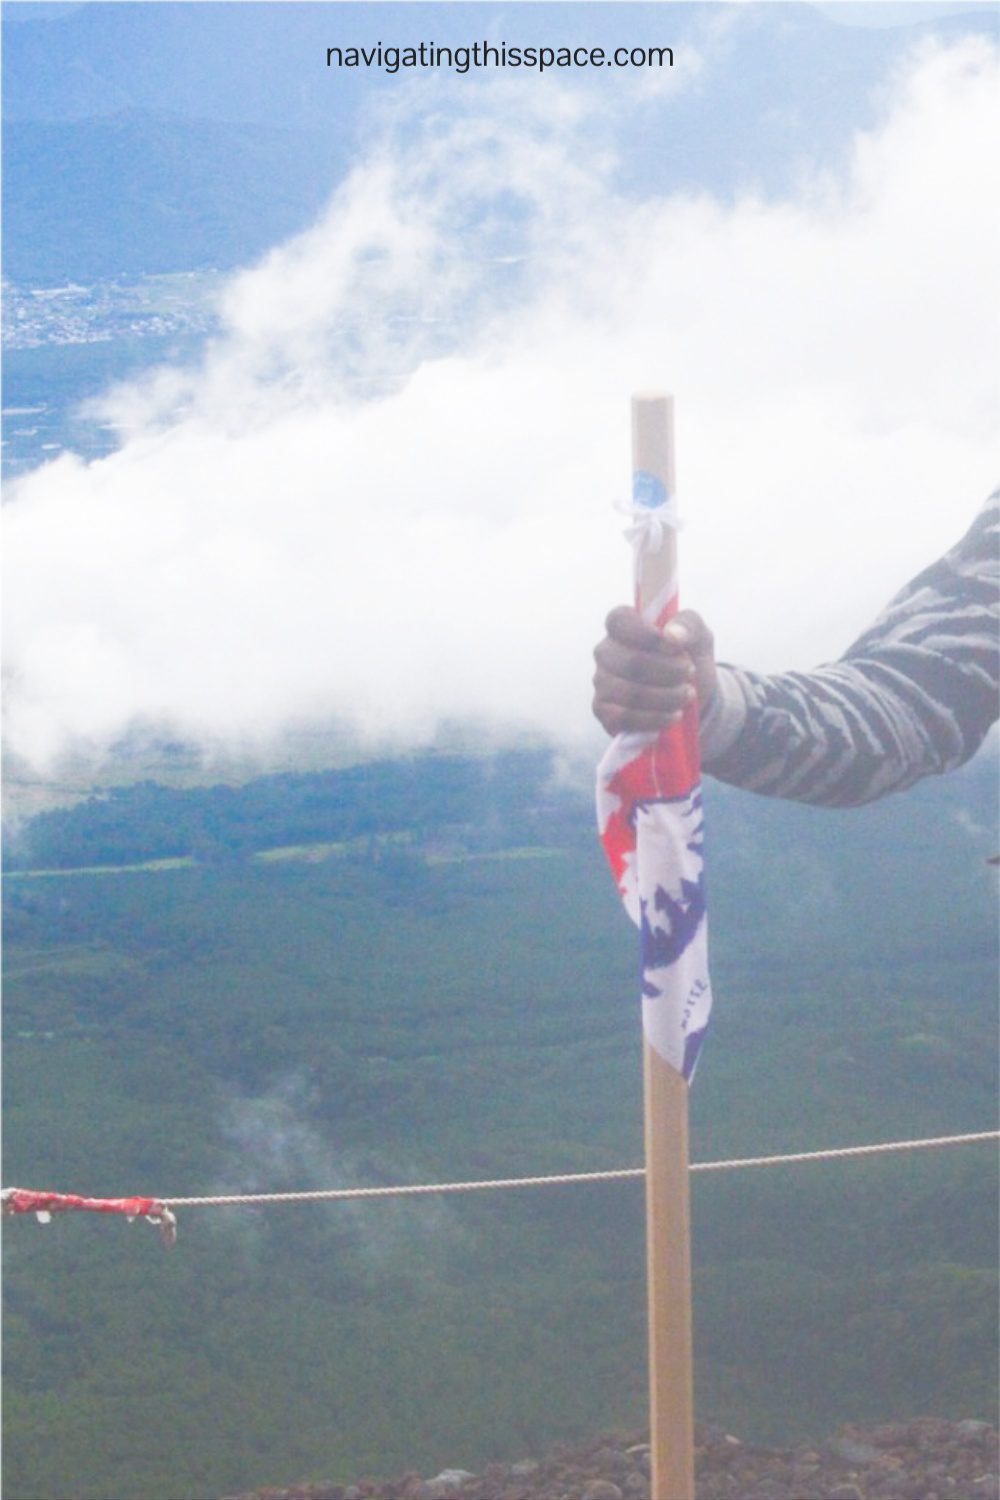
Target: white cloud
{"points": [[385, 494]]}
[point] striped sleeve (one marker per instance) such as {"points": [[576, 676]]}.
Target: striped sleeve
{"points": [[916, 694]]}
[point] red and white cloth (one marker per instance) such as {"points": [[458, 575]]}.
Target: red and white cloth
{"points": [[649, 813], [44, 1204]]}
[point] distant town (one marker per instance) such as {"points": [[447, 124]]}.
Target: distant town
{"points": [[65, 344], [180, 302]]}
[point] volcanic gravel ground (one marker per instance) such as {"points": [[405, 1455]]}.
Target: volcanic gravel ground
{"points": [[924, 1459]]}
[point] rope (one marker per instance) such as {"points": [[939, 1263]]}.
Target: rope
{"points": [[841, 1151], [619, 1174]]}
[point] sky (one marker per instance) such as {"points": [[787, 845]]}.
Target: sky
{"points": [[385, 493]]}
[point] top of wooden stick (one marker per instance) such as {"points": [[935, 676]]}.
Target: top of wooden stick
{"points": [[653, 443]]}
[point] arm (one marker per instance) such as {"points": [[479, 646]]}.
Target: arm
{"points": [[916, 694]]}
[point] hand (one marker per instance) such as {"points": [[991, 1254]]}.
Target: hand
{"points": [[645, 680]]}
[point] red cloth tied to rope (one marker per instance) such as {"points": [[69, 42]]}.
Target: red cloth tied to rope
{"points": [[28, 1201]]}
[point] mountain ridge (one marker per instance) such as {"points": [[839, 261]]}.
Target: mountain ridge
{"points": [[147, 192]]}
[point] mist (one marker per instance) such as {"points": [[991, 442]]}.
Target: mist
{"points": [[384, 495], [272, 1141]]}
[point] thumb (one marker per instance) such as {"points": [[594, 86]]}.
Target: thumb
{"points": [[689, 630]]}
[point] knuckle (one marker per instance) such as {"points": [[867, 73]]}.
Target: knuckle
{"points": [[602, 651]]}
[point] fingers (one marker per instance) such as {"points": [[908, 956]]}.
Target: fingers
{"points": [[645, 680], [648, 716], [628, 628], [686, 631], [653, 668], [638, 690]]}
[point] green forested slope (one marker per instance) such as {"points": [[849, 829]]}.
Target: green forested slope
{"points": [[425, 1010]]}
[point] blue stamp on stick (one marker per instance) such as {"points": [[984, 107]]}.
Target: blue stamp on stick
{"points": [[647, 491]]}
